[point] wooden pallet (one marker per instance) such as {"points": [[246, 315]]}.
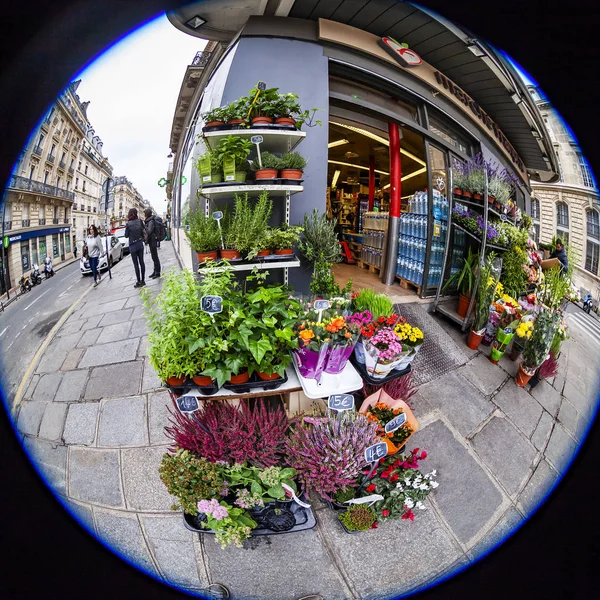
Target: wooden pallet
{"points": [[369, 267], [408, 285]]}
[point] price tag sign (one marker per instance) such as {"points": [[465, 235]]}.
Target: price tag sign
{"points": [[229, 169], [212, 304], [395, 423], [205, 168], [187, 404], [261, 85], [321, 304], [340, 402], [217, 215], [257, 139], [375, 452], [503, 218]]}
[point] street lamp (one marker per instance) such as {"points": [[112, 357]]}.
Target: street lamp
{"points": [[107, 188]]}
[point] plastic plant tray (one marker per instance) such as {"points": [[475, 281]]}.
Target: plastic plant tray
{"points": [[225, 183], [274, 126], [223, 127], [363, 373], [305, 519], [188, 385], [279, 181], [255, 383]]}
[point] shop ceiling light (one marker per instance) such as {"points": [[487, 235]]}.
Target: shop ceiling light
{"points": [[345, 164], [516, 98], [337, 143], [351, 154], [413, 174], [335, 178], [196, 22]]}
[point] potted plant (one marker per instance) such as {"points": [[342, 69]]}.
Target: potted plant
{"points": [[381, 413], [237, 112], [504, 334], [486, 292], [291, 165], [216, 168], [383, 353], [464, 279], [204, 236], [215, 116], [548, 369], [235, 238], [411, 337], [256, 229], [320, 240], [459, 178], [283, 238], [358, 517], [523, 333], [236, 149], [231, 525], [285, 107], [263, 105], [268, 168]]}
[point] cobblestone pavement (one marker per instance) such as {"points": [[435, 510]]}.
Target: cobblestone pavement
{"points": [[92, 418]]}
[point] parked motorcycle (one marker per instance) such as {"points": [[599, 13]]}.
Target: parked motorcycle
{"points": [[36, 277], [25, 284], [48, 270], [587, 305]]}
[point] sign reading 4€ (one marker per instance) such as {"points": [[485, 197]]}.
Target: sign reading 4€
{"points": [[401, 52]]}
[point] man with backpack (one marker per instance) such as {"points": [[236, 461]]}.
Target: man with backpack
{"points": [[155, 234]]}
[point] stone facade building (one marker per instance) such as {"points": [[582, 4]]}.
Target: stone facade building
{"points": [[126, 197], [569, 208]]}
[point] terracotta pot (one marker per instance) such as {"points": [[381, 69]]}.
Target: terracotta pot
{"points": [[475, 339], [266, 252], [266, 377], [467, 194], [235, 122], [291, 174], [229, 254], [284, 251], [491, 199], [458, 192], [476, 196], [463, 305], [206, 256], [522, 377], [285, 121], [262, 121], [266, 174], [175, 380], [202, 380], [214, 123], [240, 377]]}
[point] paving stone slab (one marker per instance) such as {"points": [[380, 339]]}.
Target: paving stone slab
{"points": [[150, 380], [510, 366], [537, 488], [115, 333], [143, 348], [31, 387], [72, 360], [459, 401], [45, 390], [50, 460], [139, 328], [53, 421], [173, 549], [94, 476], [113, 318], [519, 407], [123, 422], [568, 416], [92, 322], [122, 532], [141, 481], [423, 544], [51, 361], [80, 424], [583, 424], [561, 449], [290, 566], [70, 327], [72, 386], [582, 402], [484, 375], [508, 524], [107, 307], [30, 416], [559, 383], [467, 498], [541, 435], [507, 453], [138, 313], [114, 381], [89, 338], [65, 343], [106, 354], [547, 396], [81, 513], [159, 404]]}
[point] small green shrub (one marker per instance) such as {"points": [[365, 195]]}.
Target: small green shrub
{"points": [[358, 517]]}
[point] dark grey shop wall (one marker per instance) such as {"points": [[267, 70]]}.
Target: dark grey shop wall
{"points": [[301, 68]]}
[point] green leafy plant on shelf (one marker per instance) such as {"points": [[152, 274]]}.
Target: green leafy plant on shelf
{"points": [[285, 236], [513, 277], [215, 114], [486, 292], [266, 104], [237, 109], [320, 239], [255, 487], [216, 166], [269, 161], [292, 160], [203, 232], [236, 148], [235, 225], [257, 229], [358, 517]]}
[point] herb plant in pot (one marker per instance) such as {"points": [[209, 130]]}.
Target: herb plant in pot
{"points": [[464, 279], [234, 151], [215, 116], [268, 168], [204, 236], [283, 239], [486, 292], [285, 107], [263, 105], [291, 165], [458, 178], [234, 228], [237, 112]]}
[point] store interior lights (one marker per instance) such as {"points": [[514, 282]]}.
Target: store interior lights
{"points": [[335, 178], [413, 174], [345, 164], [337, 143]]}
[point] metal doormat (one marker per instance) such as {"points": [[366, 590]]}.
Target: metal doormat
{"points": [[439, 354]]}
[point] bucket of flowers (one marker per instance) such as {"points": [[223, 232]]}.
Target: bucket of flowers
{"points": [[313, 347], [412, 338], [505, 332], [383, 352], [343, 335], [523, 333], [369, 327]]}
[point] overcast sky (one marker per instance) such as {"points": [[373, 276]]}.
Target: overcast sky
{"points": [[132, 89]]}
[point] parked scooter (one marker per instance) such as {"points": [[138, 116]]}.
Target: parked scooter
{"points": [[25, 284], [587, 304], [48, 270], [36, 277]]}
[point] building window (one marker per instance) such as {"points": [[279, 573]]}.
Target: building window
{"points": [[535, 209], [55, 245], [83, 188], [74, 222], [562, 221], [591, 257], [25, 255], [593, 224], [58, 180], [31, 172], [85, 170], [586, 172], [76, 183], [46, 176], [79, 166]]}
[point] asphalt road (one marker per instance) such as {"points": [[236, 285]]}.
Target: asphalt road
{"points": [[25, 323]]}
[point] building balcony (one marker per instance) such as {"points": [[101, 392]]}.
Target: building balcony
{"points": [[62, 164], [50, 158], [7, 225], [45, 124], [55, 221], [16, 182], [42, 221], [25, 223], [37, 150]]}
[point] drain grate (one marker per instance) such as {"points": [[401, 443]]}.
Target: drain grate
{"points": [[439, 354]]}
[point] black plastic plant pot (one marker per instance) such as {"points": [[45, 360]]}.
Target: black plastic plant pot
{"points": [[254, 383], [224, 183], [279, 181], [194, 522], [534, 381], [278, 518], [345, 528], [362, 370], [224, 127]]}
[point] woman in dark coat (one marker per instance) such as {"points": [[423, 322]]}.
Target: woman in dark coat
{"points": [[134, 230]]}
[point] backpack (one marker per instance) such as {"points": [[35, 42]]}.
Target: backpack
{"points": [[160, 230]]}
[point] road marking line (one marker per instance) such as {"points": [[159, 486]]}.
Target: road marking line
{"points": [[41, 350], [32, 303], [18, 334], [8, 348], [3, 331], [23, 326]]}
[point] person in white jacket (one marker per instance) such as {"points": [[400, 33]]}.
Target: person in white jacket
{"points": [[95, 250]]}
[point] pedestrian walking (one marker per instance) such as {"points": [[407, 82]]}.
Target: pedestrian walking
{"points": [[152, 241], [95, 251], [135, 230], [75, 251]]}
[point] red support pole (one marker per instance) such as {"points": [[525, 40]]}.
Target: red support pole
{"points": [[371, 182], [395, 170]]}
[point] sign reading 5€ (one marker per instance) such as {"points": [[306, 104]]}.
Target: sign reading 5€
{"points": [[401, 52]]}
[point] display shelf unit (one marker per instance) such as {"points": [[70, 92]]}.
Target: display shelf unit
{"points": [[248, 266], [277, 191], [276, 140], [477, 239]]}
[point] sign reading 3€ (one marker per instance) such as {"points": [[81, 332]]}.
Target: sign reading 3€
{"points": [[401, 52]]}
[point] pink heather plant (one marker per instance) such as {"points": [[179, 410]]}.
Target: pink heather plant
{"points": [[388, 344]]}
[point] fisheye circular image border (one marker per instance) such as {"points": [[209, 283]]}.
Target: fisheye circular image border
{"points": [[342, 298]]}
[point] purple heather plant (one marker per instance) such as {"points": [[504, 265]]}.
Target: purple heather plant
{"points": [[329, 456], [492, 232]]}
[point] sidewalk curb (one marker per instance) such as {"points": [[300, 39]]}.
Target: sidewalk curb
{"points": [[36, 359]]}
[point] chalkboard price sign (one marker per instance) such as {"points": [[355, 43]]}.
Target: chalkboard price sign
{"points": [[257, 139], [218, 214], [340, 402], [375, 452], [187, 404], [261, 85], [321, 304], [212, 304], [395, 423]]}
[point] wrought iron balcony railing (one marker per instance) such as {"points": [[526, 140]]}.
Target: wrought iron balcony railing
{"points": [[37, 150], [50, 158], [25, 223], [201, 59], [55, 221], [29, 185], [7, 225], [42, 221]]}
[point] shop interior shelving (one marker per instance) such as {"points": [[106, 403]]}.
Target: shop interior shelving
{"points": [[274, 140]]}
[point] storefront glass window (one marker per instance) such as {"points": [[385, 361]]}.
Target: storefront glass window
{"points": [[68, 242], [42, 243], [55, 245], [25, 255], [449, 133], [438, 218], [34, 253]]}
